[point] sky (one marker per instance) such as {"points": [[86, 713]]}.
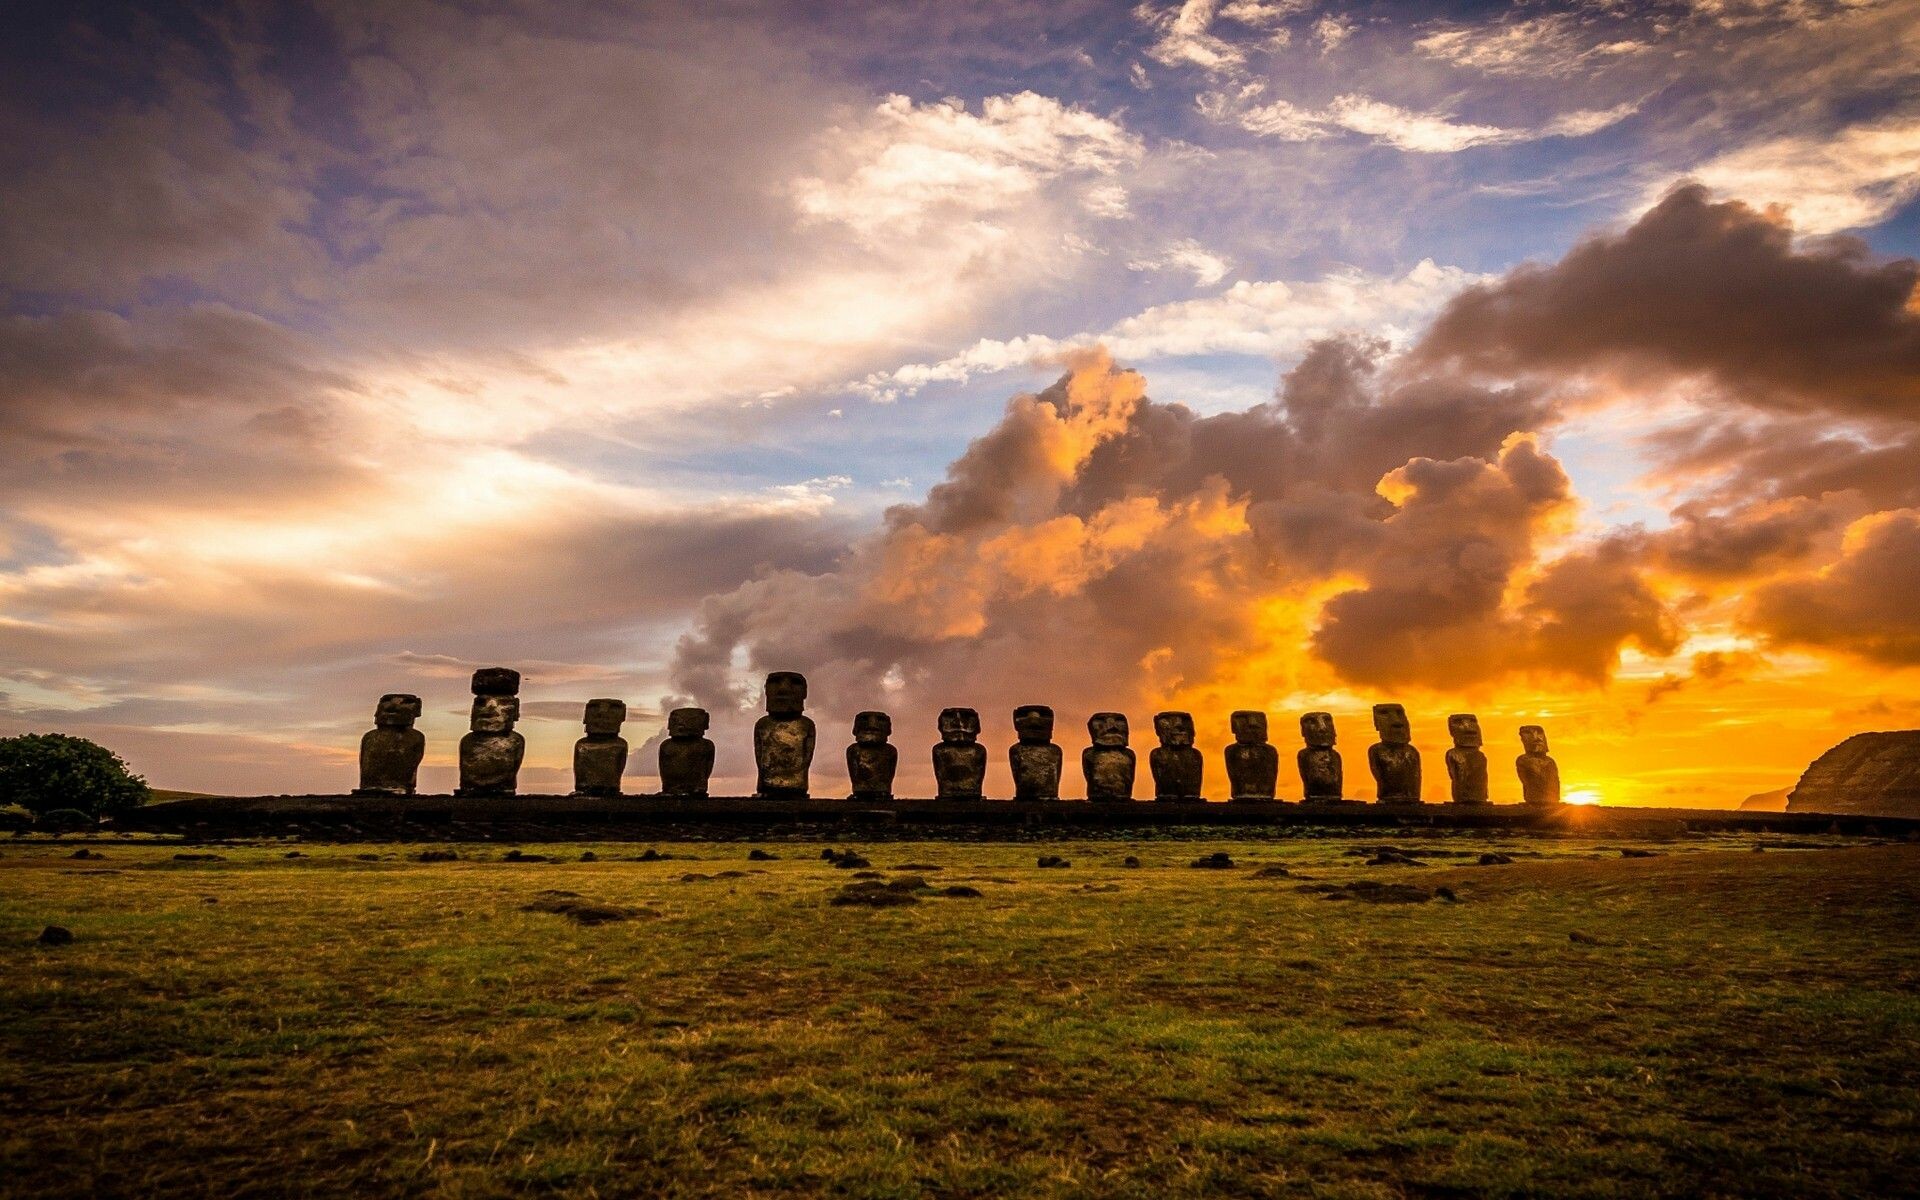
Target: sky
{"points": [[1554, 362]]}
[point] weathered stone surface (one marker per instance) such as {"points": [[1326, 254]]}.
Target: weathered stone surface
{"points": [[1034, 758], [959, 760], [1466, 762], [1177, 765], [490, 755], [56, 935], [1322, 778], [390, 752], [783, 739], [600, 758], [686, 756], [1539, 774], [1108, 764], [1876, 773], [1253, 765], [1394, 761], [496, 681], [871, 761]]}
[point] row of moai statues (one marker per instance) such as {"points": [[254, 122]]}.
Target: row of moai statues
{"points": [[783, 746]]}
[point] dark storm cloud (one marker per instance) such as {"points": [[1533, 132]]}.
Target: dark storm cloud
{"points": [[1714, 289]]}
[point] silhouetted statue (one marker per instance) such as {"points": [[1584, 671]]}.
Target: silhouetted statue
{"points": [[1466, 762], [960, 761], [1539, 774], [686, 756], [490, 755], [783, 739], [1322, 778], [390, 752], [1253, 766], [600, 758], [1108, 763], [1395, 763], [1034, 758], [1176, 764], [870, 760]]}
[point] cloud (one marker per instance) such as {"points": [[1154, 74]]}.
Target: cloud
{"points": [[1557, 44], [1265, 319], [1699, 288], [1390, 124], [1827, 182], [1186, 255], [1861, 603]]}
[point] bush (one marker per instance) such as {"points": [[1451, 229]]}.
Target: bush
{"points": [[42, 772]]}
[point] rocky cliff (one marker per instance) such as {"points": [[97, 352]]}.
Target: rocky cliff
{"points": [[1867, 773]]}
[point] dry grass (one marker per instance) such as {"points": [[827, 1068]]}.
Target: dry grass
{"points": [[1734, 1023]]}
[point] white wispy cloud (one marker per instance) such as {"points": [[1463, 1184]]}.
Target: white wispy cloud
{"points": [[1846, 180], [1186, 254], [1266, 319], [1390, 124], [1551, 45]]}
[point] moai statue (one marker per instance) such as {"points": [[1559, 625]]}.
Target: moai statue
{"points": [[783, 739], [600, 758], [1466, 762], [870, 760], [490, 755], [1322, 781], [1108, 763], [1539, 774], [390, 752], [1034, 758], [1176, 764], [686, 756], [960, 761], [1253, 766], [1395, 763]]}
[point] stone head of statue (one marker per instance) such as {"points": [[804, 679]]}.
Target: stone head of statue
{"points": [[496, 681], [1108, 728], [687, 722], [1391, 721], [1249, 727], [1033, 723], [1464, 729], [604, 717], [1316, 729], [397, 710], [495, 714], [1533, 738], [786, 693], [1173, 728], [872, 728], [959, 725]]}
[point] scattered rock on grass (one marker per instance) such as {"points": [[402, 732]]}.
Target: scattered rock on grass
{"points": [[1371, 892], [1219, 860], [294, 854], [1630, 852], [918, 867], [652, 855], [872, 894], [1584, 939], [1491, 859], [584, 912], [56, 935], [961, 891], [523, 857], [1130, 861], [848, 860], [1387, 856], [589, 856], [437, 856], [83, 852], [1446, 893], [199, 858], [758, 855], [869, 875], [1052, 860], [1273, 873]]}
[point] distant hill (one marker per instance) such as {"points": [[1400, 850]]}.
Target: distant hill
{"points": [[1773, 801], [156, 795], [1868, 773]]}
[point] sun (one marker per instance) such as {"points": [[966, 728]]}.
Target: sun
{"points": [[1582, 796]]}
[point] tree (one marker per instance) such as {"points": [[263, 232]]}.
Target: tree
{"points": [[41, 772]]}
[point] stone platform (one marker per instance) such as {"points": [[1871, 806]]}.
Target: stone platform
{"points": [[645, 818]]}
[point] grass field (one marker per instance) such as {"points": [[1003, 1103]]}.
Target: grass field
{"points": [[354, 1022]]}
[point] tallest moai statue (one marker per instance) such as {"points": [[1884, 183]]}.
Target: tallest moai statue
{"points": [[1395, 761], [490, 755], [783, 739]]}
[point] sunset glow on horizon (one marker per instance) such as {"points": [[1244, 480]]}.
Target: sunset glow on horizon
{"points": [[1526, 362]]}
